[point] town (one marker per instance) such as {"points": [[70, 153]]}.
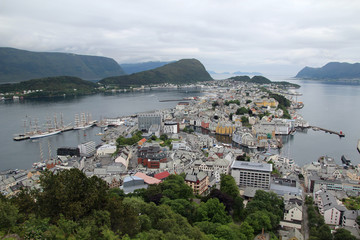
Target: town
{"points": [[234, 129]]}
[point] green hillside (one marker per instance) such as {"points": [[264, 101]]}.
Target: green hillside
{"points": [[262, 80], [51, 86], [180, 72], [19, 65]]}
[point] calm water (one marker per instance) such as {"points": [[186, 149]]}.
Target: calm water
{"points": [[331, 106], [23, 154]]}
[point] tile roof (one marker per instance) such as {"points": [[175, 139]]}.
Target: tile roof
{"points": [[147, 179], [162, 175]]}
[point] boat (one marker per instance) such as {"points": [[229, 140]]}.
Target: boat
{"points": [[358, 146], [44, 134], [83, 122], [345, 160]]}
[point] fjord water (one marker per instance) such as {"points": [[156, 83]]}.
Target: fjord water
{"points": [[327, 105], [23, 154]]}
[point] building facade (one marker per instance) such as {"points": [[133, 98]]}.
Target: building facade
{"points": [[145, 120]]}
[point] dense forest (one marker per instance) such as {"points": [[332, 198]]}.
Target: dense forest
{"points": [[51, 86], [73, 206]]}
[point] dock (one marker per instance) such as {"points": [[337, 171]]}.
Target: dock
{"points": [[340, 134], [174, 100]]}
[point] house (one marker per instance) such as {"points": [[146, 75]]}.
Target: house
{"points": [[349, 218], [199, 182], [151, 156], [162, 176], [293, 212]]}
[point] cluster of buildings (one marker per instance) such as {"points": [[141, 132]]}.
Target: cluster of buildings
{"points": [[195, 152]]}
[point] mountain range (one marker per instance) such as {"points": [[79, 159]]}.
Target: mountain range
{"points": [[20, 65], [331, 71]]}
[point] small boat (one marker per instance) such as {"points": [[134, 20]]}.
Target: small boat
{"points": [[345, 160], [358, 146]]}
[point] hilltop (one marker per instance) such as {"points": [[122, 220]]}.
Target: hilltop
{"points": [[262, 80], [331, 71], [51, 86], [180, 72], [130, 68], [20, 65]]}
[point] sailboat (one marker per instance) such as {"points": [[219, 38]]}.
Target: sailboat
{"points": [[84, 122]]}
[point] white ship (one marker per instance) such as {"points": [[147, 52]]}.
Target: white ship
{"points": [[83, 122], [45, 134]]}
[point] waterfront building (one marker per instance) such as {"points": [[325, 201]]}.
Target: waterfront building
{"points": [[145, 120], [87, 148], [105, 150], [248, 174]]}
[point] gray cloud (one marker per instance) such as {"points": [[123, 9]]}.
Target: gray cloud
{"points": [[270, 36]]}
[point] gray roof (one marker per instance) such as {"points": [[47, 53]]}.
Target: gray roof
{"points": [[351, 214], [252, 166]]}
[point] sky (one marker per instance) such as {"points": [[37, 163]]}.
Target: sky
{"points": [[274, 37]]}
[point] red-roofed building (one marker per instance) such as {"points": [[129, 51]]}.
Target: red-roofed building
{"points": [[142, 141], [147, 179], [161, 176]]}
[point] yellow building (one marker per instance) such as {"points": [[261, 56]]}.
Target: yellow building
{"points": [[266, 102], [225, 130]]}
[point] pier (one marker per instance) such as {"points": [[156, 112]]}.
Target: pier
{"points": [[174, 100], [340, 134]]}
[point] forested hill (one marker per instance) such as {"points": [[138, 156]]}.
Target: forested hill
{"points": [[181, 72], [51, 86], [130, 68], [331, 71], [262, 80], [20, 65]]}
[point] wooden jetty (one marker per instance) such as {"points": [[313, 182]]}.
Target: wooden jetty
{"points": [[340, 134]]}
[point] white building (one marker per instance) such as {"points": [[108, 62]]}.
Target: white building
{"points": [[105, 150], [171, 127], [87, 149], [248, 174], [293, 212]]}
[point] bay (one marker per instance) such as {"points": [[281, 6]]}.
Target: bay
{"points": [[327, 105], [22, 154]]}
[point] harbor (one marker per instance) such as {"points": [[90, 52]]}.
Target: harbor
{"points": [[52, 127]]}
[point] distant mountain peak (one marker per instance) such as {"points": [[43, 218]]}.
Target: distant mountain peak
{"points": [[331, 71], [180, 72]]}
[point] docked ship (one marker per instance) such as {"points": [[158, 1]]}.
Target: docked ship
{"points": [[83, 122], [41, 134]]}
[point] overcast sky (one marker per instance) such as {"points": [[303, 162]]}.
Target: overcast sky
{"points": [[268, 36]]}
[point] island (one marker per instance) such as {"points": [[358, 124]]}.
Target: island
{"points": [[331, 71]]}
